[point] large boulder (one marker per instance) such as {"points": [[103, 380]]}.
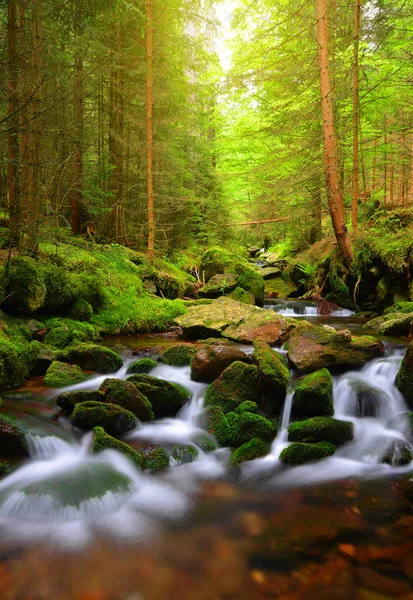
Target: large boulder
{"points": [[127, 395], [210, 361], [311, 348], [12, 438], [321, 429], [166, 398], [218, 285], [114, 419], [270, 272], [398, 326], [313, 396], [237, 384], [301, 453], [404, 379], [25, 290], [213, 420], [68, 400], [92, 357], [274, 377], [178, 355], [103, 441], [245, 425], [235, 321], [61, 374]]}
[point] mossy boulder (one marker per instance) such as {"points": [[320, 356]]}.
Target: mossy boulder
{"points": [[81, 311], [241, 295], [40, 360], [25, 288], [301, 453], [311, 348], [178, 355], [92, 357], [60, 287], [213, 420], [253, 449], [154, 458], [14, 363], [274, 376], [143, 365], [247, 406], [404, 378], [184, 453], [245, 426], [61, 374], [204, 442], [238, 383], [313, 395], [398, 454], [235, 321], [209, 362], [114, 419], [37, 329], [270, 272], [127, 395], [12, 438], [218, 285], [321, 429], [166, 398], [58, 337], [399, 307], [399, 326], [68, 400], [103, 441]]}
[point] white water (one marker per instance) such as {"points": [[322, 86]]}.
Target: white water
{"points": [[308, 311]]}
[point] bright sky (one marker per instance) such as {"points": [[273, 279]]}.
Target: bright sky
{"points": [[224, 10]]}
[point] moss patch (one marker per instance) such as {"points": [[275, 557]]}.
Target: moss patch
{"points": [[301, 453], [166, 398], [114, 419], [313, 396], [127, 395], [103, 441], [237, 384], [321, 429], [178, 355], [61, 374], [143, 365], [253, 449]]}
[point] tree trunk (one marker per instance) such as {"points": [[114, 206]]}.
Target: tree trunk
{"points": [[149, 130], [356, 107], [13, 168], [77, 181], [334, 184]]}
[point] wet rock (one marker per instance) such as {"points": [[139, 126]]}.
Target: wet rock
{"points": [[182, 454], [300, 453], [238, 383], [37, 329], [178, 355], [369, 399], [114, 419], [255, 448], [236, 321], [313, 396], [399, 307], [381, 500], [155, 458], [274, 377], [166, 398], [61, 374], [399, 326], [218, 285], [270, 272], [321, 429], [103, 441], [143, 365], [12, 438], [213, 420], [245, 425], [203, 441], [398, 454], [241, 295], [404, 379], [127, 395], [209, 362], [68, 400], [92, 357], [41, 361], [311, 347]]}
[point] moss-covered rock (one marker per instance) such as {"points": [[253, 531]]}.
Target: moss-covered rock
{"points": [[209, 362], [311, 348], [178, 355], [92, 357], [37, 329], [241, 295], [399, 307], [166, 398], [25, 288], [68, 400], [238, 383], [127, 395], [60, 287], [218, 285], [398, 454], [204, 442], [14, 363], [253, 449], [404, 379], [184, 453], [301, 453], [235, 321], [114, 419], [155, 458], [399, 326], [81, 311], [247, 406], [143, 365], [103, 441], [321, 429], [274, 376], [61, 374], [213, 420], [313, 395], [58, 337], [245, 426], [12, 438]]}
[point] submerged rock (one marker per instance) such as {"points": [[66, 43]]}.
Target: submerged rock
{"points": [[68, 400], [61, 374], [301, 453], [369, 399], [143, 365], [313, 396], [274, 377], [12, 438], [92, 357], [103, 441], [311, 347], [398, 454], [127, 395], [114, 419], [166, 398], [321, 429], [236, 321], [238, 383], [178, 355], [253, 449], [184, 453], [209, 362]]}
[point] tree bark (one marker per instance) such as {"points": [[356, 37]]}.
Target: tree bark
{"points": [[149, 130], [13, 165], [77, 181], [334, 184], [356, 107]]}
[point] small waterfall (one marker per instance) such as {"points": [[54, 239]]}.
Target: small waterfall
{"points": [[300, 309]]}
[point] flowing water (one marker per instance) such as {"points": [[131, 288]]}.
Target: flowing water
{"points": [[202, 530]]}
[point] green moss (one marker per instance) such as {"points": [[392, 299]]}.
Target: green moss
{"points": [[143, 365], [14, 361], [274, 371], [237, 384], [6, 468], [404, 378], [81, 311], [166, 398], [61, 374], [301, 453], [25, 288], [240, 295], [12, 438], [184, 453], [213, 420], [253, 449], [399, 307], [179, 355], [92, 357], [279, 287], [313, 396], [103, 441], [63, 332], [155, 458], [68, 400], [58, 337], [252, 282], [114, 419], [247, 406], [321, 429], [60, 290], [127, 395], [245, 426], [204, 442]]}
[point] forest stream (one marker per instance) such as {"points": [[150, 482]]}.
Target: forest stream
{"points": [[81, 526]]}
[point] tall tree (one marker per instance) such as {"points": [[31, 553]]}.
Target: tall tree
{"points": [[149, 129], [14, 117], [356, 117]]}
